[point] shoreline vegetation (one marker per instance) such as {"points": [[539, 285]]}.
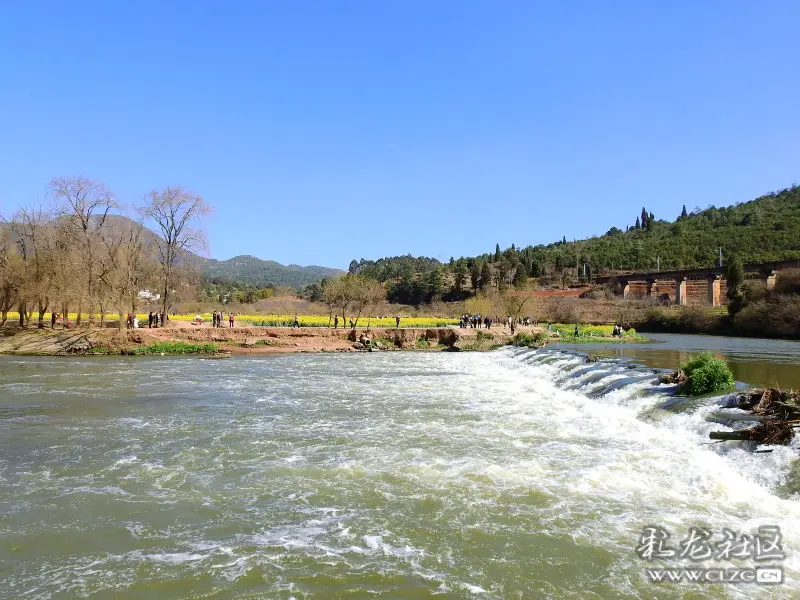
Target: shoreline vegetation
{"points": [[183, 337], [78, 255]]}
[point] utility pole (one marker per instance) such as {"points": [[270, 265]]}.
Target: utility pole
{"points": [[658, 263], [720, 256]]}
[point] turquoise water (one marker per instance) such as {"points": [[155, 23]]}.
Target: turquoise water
{"points": [[512, 474]]}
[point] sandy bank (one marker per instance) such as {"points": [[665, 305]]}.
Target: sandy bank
{"points": [[241, 340]]}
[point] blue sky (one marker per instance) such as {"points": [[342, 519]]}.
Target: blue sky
{"points": [[326, 131]]}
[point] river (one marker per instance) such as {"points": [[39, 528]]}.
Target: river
{"points": [[758, 362], [510, 474]]}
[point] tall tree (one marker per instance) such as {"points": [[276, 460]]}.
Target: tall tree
{"points": [[176, 213], [434, 285], [459, 276], [520, 278], [34, 232], [734, 278], [365, 294], [84, 206], [486, 276], [475, 274], [128, 266], [684, 214], [497, 252], [11, 274]]}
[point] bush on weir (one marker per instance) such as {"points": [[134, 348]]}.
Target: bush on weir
{"points": [[705, 374], [536, 340]]}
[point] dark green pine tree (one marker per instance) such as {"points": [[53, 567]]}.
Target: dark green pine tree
{"points": [[520, 277], [475, 274], [684, 214], [497, 253], [459, 276], [644, 217], [734, 278], [486, 276], [638, 224]]}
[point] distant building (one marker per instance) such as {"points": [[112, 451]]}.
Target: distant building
{"points": [[148, 295]]}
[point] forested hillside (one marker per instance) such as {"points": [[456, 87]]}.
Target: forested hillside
{"points": [[761, 230], [764, 229]]}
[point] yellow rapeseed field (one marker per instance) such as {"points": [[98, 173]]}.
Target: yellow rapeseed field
{"points": [[273, 320], [323, 320]]}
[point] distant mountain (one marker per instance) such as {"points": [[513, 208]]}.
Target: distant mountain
{"points": [[247, 269], [239, 269], [255, 271]]}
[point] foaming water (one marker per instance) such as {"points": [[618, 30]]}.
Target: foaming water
{"points": [[513, 474]]}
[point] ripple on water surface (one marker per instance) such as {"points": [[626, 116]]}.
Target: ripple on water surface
{"points": [[350, 476]]}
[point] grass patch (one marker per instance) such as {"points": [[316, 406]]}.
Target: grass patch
{"points": [[595, 334], [536, 340], [423, 343], [177, 348]]}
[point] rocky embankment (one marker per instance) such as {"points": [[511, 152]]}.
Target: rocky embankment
{"points": [[242, 340], [46, 342]]}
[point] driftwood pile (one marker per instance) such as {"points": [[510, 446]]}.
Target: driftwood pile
{"points": [[678, 377], [778, 410]]}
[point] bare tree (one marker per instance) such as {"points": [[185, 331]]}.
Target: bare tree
{"points": [[330, 296], [176, 212], [65, 284], [365, 293], [127, 266], [514, 303], [10, 274], [33, 230], [85, 205]]}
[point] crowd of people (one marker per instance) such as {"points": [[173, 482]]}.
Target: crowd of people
{"points": [[218, 318], [481, 321]]}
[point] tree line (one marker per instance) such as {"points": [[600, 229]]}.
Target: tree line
{"points": [[762, 230], [76, 252]]}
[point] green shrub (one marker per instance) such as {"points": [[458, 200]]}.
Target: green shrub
{"points": [[178, 348], [706, 374], [528, 340], [482, 335]]}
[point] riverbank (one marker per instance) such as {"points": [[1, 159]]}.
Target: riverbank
{"points": [[183, 338], [776, 317]]}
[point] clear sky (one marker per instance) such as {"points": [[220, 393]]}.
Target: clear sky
{"points": [[326, 131]]}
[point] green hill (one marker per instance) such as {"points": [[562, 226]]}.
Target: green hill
{"points": [[261, 273], [762, 230]]}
